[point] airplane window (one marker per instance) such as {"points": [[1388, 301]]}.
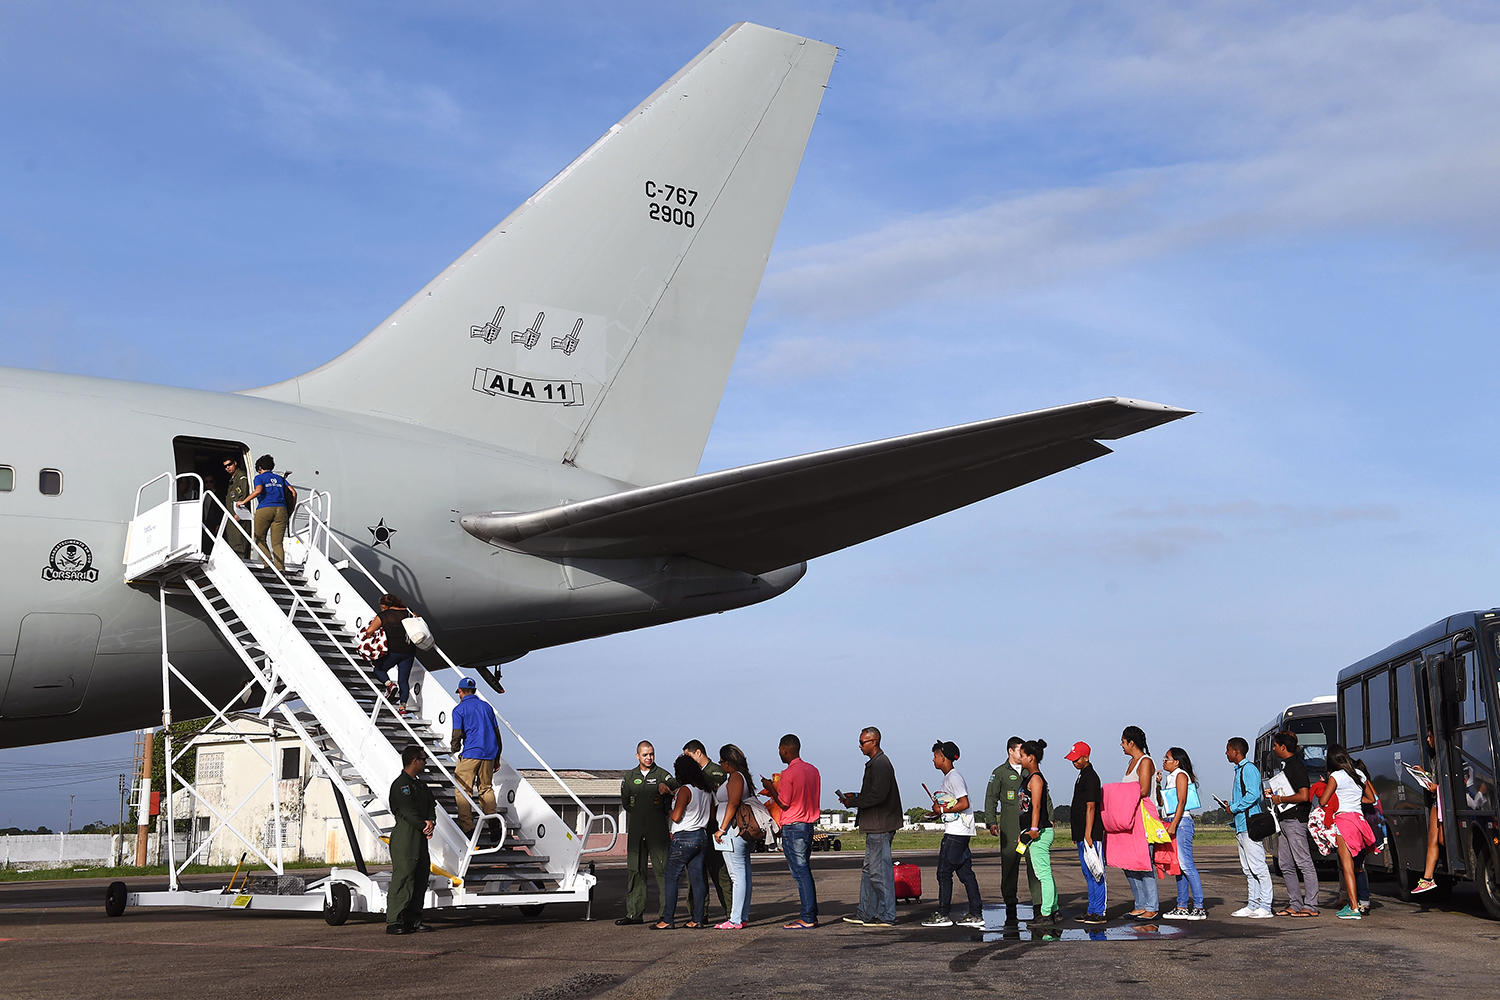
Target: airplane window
{"points": [[50, 482], [7, 479]]}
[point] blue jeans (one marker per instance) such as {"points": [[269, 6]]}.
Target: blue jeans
{"points": [[1143, 888], [738, 863], [796, 844], [1189, 878], [877, 879], [954, 857], [1098, 889], [402, 662], [688, 847]]}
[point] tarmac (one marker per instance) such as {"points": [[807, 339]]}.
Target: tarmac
{"points": [[56, 941]]}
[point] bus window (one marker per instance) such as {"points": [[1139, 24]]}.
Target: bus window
{"points": [[1474, 699], [1378, 699], [1406, 703], [1313, 736], [1352, 714]]}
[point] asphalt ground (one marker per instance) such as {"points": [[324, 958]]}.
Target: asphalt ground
{"points": [[56, 941]]}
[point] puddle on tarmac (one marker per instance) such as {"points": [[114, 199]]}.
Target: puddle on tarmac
{"points": [[995, 929]]}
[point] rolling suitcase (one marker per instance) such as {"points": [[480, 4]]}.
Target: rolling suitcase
{"points": [[908, 882]]}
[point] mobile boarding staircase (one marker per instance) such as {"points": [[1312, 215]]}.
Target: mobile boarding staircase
{"points": [[296, 634]]}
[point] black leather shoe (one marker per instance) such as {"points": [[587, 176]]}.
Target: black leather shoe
{"points": [[419, 929], [629, 920], [396, 929]]}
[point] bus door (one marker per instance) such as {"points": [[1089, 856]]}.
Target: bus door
{"points": [[1474, 792], [1444, 691]]}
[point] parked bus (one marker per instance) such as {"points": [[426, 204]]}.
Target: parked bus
{"points": [[1424, 703], [1315, 723]]}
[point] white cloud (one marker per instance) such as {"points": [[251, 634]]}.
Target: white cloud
{"points": [[1220, 127]]}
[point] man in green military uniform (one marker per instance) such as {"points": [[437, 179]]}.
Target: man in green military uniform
{"points": [[714, 868], [645, 792], [1002, 814], [416, 817], [238, 489]]}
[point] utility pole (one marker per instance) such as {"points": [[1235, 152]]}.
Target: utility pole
{"points": [[119, 858], [143, 809], [70, 813]]}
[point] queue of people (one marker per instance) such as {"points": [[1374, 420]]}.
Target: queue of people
{"points": [[1142, 824]]}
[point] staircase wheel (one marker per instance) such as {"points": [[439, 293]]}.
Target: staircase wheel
{"points": [[114, 899], [336, 912], [533, 909]]}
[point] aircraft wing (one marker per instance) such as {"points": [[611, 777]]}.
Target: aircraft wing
{"points": [[762, 517]]}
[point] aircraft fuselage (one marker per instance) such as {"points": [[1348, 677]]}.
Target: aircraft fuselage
{"points": [[486, 603]]}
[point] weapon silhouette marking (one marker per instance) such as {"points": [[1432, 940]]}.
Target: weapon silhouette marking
{"points": [[568, 344], [490, 330], [527, 338]]}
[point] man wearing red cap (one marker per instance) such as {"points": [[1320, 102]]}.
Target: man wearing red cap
{"points": [[1087, 821]]}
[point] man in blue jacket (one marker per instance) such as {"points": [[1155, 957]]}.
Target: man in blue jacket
{"points": [[1245, 800], [476, 741]]}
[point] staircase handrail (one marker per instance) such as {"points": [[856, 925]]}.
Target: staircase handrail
{"points": [[315, 523], [172, 478], [360, 671]]}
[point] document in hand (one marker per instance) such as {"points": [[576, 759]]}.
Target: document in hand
{"points": [[1422, 776]]}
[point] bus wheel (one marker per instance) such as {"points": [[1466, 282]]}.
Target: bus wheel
{"points": [[1489, 882]]}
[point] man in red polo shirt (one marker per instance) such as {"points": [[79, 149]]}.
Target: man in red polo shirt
{"points": [[798, 793]]}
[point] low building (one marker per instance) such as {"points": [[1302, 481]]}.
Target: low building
{"points": [[264, 784]]}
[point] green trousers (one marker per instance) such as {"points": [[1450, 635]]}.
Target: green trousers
{"points": [[1010, 869], [1039, 864], [717, 872], [410, 866], [652, 845]]}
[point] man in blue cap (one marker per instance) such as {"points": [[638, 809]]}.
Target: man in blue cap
{"points": [[477, 734]]}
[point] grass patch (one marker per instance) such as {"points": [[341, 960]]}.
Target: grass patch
{"points": [[928, 840], [131, 871]]}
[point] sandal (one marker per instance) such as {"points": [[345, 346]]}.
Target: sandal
{"points": [[1297, 913], [659, 926]]}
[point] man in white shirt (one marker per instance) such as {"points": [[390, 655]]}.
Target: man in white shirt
{"points": [[952, 806]]}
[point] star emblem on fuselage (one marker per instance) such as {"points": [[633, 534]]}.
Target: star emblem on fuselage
{"points": [[381, 534]]}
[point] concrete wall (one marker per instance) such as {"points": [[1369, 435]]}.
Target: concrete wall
{"points": [[62, 850]]}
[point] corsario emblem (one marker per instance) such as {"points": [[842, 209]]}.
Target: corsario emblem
{"points": [[71, 560]]}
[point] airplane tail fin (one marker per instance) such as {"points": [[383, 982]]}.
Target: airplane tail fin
{"points": [[597, 324]]}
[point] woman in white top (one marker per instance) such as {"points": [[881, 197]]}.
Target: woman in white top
{"points": [[1349, 824], [1179, 795], [735, 790], [692, 809], [1142, 769]]}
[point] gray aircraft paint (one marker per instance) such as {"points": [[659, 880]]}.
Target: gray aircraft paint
{"points": [[442, 418]]}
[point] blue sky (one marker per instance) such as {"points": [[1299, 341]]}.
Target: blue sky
{"points": [[1281, 216]]}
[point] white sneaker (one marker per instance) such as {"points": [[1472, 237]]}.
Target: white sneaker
{"points": [[1261, 914], [1245, 911], [937, 920], [976, 922]]}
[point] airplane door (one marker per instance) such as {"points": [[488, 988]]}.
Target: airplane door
{"points": [[53, 664], [205, 456]]}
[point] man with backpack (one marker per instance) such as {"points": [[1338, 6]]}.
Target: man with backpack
{"points": [[1245, 801]]}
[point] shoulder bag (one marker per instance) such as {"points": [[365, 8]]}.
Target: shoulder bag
{"points": [[1258, 825]]}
